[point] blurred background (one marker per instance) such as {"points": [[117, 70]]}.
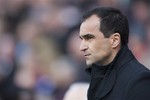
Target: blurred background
{"points": [[39, 44]]}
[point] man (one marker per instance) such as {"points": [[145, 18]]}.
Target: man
{"points": [[115, 73]]}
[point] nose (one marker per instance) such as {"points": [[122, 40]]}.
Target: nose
{"points": [[83, 46]]}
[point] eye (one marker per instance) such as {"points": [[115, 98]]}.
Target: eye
{"points": [[88, 37]]}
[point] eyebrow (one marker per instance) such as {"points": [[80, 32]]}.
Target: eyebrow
{"points": [[86, 36]]}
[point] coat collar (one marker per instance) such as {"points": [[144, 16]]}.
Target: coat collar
{"points": [[109, 79]]}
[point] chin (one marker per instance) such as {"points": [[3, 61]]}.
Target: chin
{"points": [[89, 63]]}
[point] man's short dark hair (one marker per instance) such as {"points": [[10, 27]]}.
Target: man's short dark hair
{"points": [[112, 21]]}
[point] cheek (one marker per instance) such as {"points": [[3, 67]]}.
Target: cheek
{"points": [[101, 48]]}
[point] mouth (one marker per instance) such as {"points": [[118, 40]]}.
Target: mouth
{"points": [[86, 55]]}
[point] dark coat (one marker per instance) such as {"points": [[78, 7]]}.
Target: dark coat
{"points": [[124, 79]]}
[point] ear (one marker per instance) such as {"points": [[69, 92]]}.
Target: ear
{"points": [[115, 40]]}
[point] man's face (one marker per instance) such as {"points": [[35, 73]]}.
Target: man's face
{"points": [[94, 46]]}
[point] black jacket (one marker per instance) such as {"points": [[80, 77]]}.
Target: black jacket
{"points": [[124, 79]]}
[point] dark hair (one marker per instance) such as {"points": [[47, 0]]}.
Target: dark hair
{"points": [[112, 21]]}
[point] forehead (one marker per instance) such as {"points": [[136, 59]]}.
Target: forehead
{"points": [[90, 24]]}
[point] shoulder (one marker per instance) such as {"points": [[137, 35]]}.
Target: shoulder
{"points": [[132, 69], [135, 78], [138, 86]]}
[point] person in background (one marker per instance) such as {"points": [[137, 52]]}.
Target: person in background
{"points": [[115, 72], [73, 91]]}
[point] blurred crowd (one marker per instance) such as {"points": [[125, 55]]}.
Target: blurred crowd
{"points": [[39, 44]]}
